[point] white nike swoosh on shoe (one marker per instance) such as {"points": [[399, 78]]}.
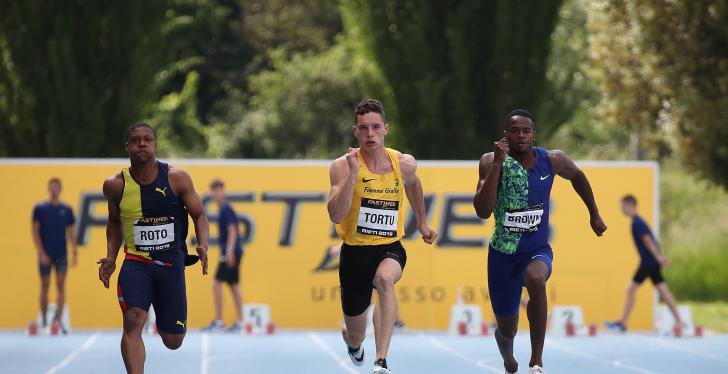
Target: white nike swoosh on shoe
{"points": [[357, 358]]}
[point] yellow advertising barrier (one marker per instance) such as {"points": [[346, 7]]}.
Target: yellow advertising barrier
{"points": [[286, 231]]}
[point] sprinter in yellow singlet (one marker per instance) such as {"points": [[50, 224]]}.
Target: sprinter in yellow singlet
{"points": [[367, 189]]}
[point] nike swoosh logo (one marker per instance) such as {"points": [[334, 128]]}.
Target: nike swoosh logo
{"points": [[367, 180], [544, 178]]}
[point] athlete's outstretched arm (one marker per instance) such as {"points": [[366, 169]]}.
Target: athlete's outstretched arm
{"points": [[415, 196], [185, 190], [489, 172], [567, 169], [113, 188], [342, 176]]}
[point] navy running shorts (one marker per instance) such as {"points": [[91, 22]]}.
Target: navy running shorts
{"points": [[506, 280], [142, 284], [653, 272], [60, 263], [357, 267], [226, 274]]}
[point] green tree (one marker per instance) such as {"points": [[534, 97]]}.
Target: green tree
{"points": [[302, 108], [207, 37], [663, 71], [179, 130], [75, 74], [568, 117], [456, 68], [294, 26]]}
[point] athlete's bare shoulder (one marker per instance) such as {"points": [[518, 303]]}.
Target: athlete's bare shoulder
{"points": [[562, 164], [557, 156], [487, 158], [114, 187], [407, 162], [556, 153], [339, 161], [486, 161], [180, 180], [339, 165], [177, 172]]}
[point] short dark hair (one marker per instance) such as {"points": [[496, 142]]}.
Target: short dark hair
{"points": [[522, 113], [629, 198], [369, 106], [137, 125], [54, 180], [216, 183]]}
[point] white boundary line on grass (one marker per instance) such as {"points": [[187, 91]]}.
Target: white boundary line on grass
{"points": [[71, 356], [329, 351], [205, 362], [479, 363], [588, 356]]}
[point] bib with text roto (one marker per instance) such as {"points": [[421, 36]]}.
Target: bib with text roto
{"points": [[153, 234], [378, 217]]}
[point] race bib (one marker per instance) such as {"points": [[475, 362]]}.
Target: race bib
{"points": [[523, 220], [153, 234], [378, 217]]}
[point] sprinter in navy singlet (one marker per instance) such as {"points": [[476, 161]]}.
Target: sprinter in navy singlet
{"points": [[148, 207], [515, 186]]}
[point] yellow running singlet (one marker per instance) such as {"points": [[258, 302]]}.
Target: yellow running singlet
{"points": [[375, 216]]}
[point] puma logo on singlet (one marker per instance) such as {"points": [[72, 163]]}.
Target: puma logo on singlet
{"points": [[162, 191], [367, 180]]}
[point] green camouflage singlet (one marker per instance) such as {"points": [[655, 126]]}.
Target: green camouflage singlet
{"points": [[512, 194]]}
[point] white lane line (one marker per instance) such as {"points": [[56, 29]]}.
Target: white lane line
{"points": [[479, 363], [204, 365], [588, 356], [72, 356], [342, 361], [686, 349]]}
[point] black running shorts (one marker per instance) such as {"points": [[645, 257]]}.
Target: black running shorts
{"points": [[648, 271], [357, 267], [229, 275]]}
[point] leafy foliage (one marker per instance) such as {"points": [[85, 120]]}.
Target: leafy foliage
{"points": [[662, 67], [303, 107], [456, 68], [74, 74], [294, 26]]}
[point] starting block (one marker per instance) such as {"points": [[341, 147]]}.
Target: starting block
{"points": [[34, 327], [257, 320], [666, 323], [568, 320], [467, 319]]}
